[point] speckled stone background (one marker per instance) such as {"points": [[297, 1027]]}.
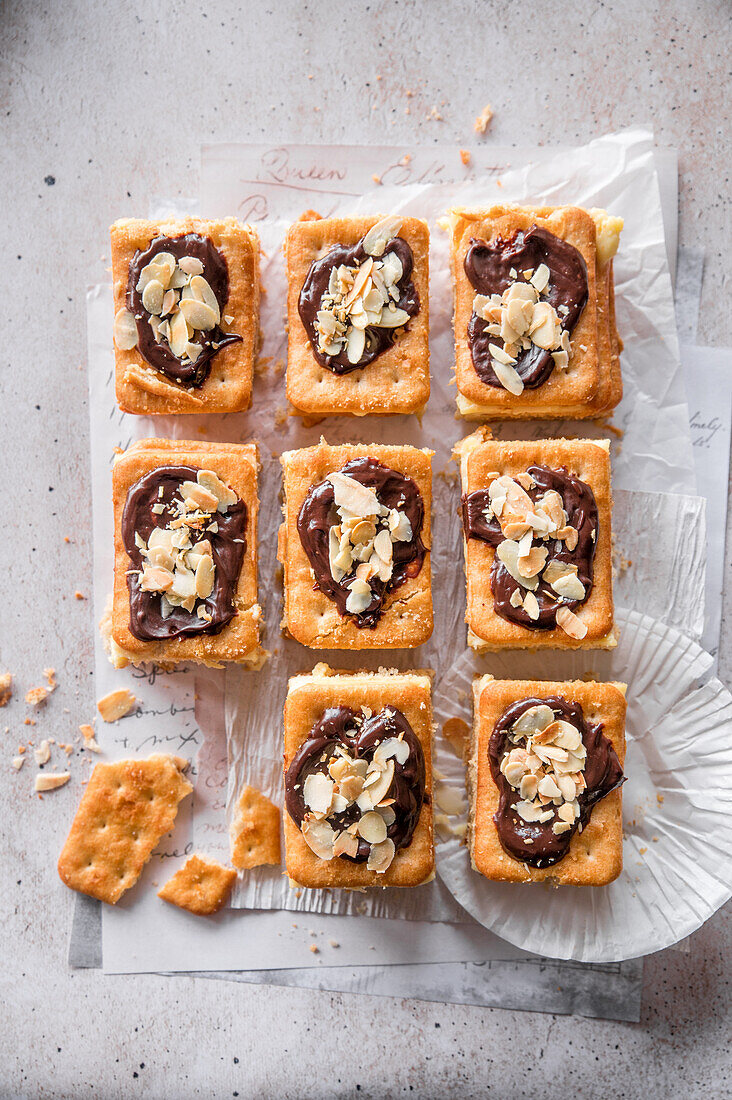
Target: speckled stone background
{"points": [[105, 105]]}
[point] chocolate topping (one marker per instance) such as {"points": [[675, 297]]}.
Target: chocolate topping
{"points": [[146, 620], [581, 508], [216, 273], [360, 736], [378, 339], [534, 842], [318, 515], [488, 267]]}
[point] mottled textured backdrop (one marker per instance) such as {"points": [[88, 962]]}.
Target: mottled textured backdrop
{"points": [[103, 107]]}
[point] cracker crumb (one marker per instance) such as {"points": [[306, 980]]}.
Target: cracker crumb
{"points": [[50, 674], [642, 851], [334, 943], [6, 688], [434, 115], [50, 781], [375, 178], [36, 696], [66, 538], [79, 595], [116, 704], [465, 156], [90, 742], [18, 762], [483, 120], [43, 753], [314, 948]]}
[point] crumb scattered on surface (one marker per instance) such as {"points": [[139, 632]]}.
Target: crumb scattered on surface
{"points": [[434, 115], [18, 762], [43, 753], [6, 688], [50, 781], [483, 120], [334, 943], [375, 178], [36, 696], [90, 742], [116, 704], [50, 674], [79, 595], [465, 156], [314, 948]]}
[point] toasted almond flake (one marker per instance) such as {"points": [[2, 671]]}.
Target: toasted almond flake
{"points": [[391, 747], [359, 596], [570, 587], [152, 297], [317, 792], [372, 827], [508, 552], [116, 704], [381, 856], [531, 606], [50, 781], [571, 624], [533, 720], [43, 753], [18, 762], [125, 330], [210, 481], [378, 790], [319, 837], [559, 827], [540, 278], [379, 235], [508, 377], [529, 565], [345, 844], [570, 536], [198, 314], [191, 265], [353, 496]]}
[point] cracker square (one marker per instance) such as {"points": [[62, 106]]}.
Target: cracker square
{"points": [[125, 810], [237, 465], [595, 856], [591, 384], [398, 381], [201, 885], [308, 696], [255, 831], [481, 460], [228, 388], [309, 615]]}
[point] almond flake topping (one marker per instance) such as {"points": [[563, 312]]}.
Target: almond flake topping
{"points": [[362, 295], [177, 560], [545, 763], [353, 784], [522, 318]]}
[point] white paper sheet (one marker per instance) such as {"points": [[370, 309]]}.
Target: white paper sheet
{"points": [[269, 388]]}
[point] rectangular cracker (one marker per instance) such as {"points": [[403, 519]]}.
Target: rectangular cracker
{"points": [[143, 390], [309, 615], [591, 385], [237, 465], [308, 696], [125, 810], [398, 381], [255, 831], [595, 856], [201, 885], [482, 459]]}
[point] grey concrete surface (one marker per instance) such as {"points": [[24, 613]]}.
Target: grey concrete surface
{"points": [[104, 105]]}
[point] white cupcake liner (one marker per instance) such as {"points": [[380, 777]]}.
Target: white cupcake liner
{"points": [[677, 802]]}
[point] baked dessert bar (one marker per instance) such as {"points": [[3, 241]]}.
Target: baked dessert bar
{"points": [[534, 312], [544, 779], [358, 778], [186, 302], [538, 543], [358, 316], [185, 575], [355, 546]]}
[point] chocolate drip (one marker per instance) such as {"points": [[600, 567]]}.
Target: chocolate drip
{"points": [[581, 508], [360, 736], [316, 286], [216, 274], [488, 267], [318, 515], [146, 620], [534, 842]]}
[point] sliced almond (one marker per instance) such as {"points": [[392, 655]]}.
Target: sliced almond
{"points": [[317, 792], [540, 278], [372, 828], [529, 565], [391, 747], [190, 265], [156, 580], [198, 314], [202, 291], [378, 791], [381, 856], [319, 837], [178, 334], [508, 377], [393, 318], [383, 546], [508, 553], [379, 235], [533, 720], [346, 844], [213, 484], [205, 572], [569, 587], [125, 330], [559, 827], [571, 624], [50, 781], [531, 606], [205, 500], [152, 297], [353, 496]]}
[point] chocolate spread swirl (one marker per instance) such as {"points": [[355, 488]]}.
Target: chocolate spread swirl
{"points": [[318, 515], [216, 273], [488, 267], [534, 842], [360, 736], [579, 504], [146, 619], [316, 285]]}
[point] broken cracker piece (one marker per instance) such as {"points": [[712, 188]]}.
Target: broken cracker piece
{"points": [[116, 704], [6, 688], [49, 781], [36, 696], [255, 831], [201, 885], [126, 808], [483, 120]]}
